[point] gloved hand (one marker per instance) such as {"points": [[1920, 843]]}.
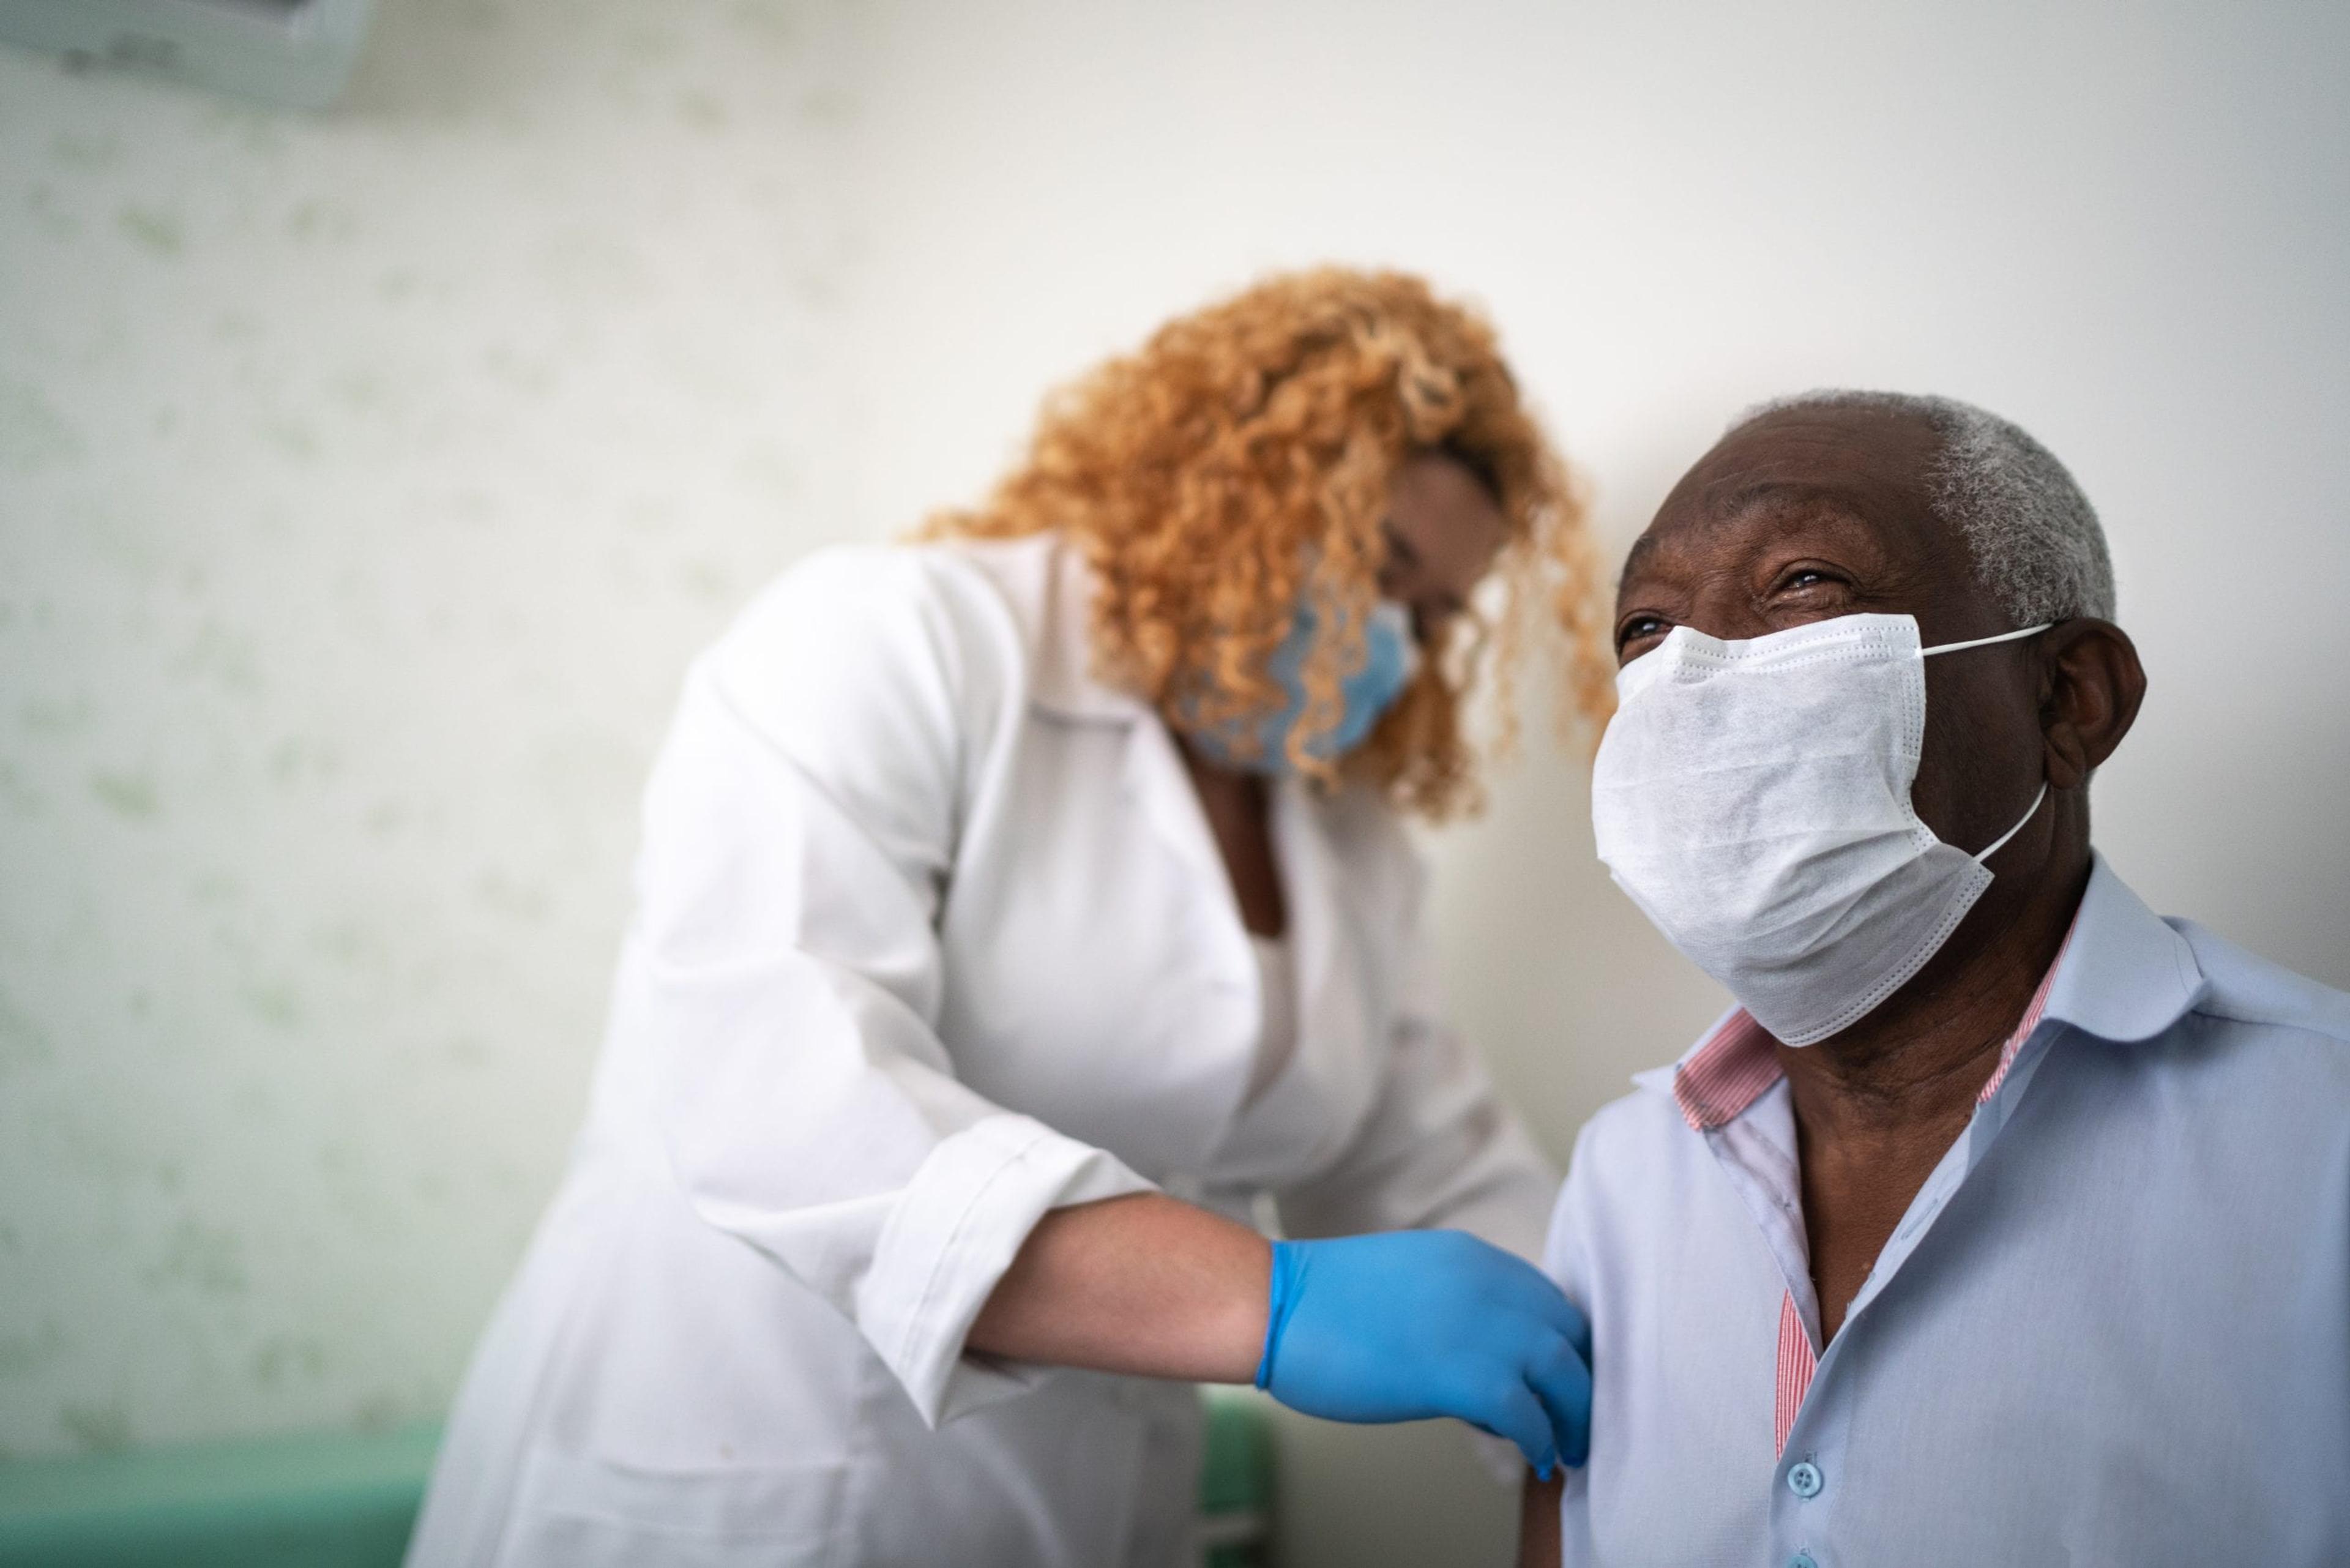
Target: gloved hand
{"points": [[1412, 1323]]}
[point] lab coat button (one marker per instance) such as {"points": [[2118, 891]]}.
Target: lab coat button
{"points": [[1805, 1479], [1802, 1560]]}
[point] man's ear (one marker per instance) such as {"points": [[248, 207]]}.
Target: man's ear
{"points": [[2092, 686]]}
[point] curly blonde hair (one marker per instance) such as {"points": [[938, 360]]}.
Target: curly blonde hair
{"points": [[1237, 466]]}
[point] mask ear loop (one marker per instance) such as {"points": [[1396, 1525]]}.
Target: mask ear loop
{"points": [[2033, 810], [2000, 842], [1987, 641]]}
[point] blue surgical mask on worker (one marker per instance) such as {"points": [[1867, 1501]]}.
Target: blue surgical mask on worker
{"points": [[1752, 798], [1390, 660]]}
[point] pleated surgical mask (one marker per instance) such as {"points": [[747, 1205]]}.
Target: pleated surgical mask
{"points": [[1390, 660], [1752, 798]]}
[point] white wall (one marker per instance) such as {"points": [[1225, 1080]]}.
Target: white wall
{"points": [[365, 482], [348, 550]]}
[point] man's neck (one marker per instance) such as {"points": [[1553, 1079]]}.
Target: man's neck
{"points": [[1877, 1106], [1934, 1044]]}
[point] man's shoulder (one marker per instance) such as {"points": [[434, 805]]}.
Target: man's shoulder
{"points": [[1625, 1147], [1638, 1165], [1646, 1120], [2198, 1001], [2243, 988], [2253, 1068]]}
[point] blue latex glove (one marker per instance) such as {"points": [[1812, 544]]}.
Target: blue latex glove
{"points": [[1413, 1324]]}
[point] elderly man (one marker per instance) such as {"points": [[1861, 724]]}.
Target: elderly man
{"points": [[2002, 1221]]}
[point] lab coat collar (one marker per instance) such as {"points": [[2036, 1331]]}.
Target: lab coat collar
{"points": [[1050, 587], [1061, 643]]}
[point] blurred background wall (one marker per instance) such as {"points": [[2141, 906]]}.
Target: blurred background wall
{"points": [[366, 479], [365, 482]]}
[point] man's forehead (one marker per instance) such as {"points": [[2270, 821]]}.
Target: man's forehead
{"points": [[1854, 453], [1857, 475], [1762, 515]]}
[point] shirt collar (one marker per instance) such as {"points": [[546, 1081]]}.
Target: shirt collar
{"points": [[1722, 1074], [2121, 974], [2128, 976]]}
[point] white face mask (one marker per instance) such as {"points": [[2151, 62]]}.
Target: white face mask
{"points": [[1753, 799]]}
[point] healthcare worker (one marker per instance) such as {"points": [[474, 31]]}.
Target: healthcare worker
{"points": [[1018, 912]]}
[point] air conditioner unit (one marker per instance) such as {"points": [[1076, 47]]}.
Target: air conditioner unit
{"points": [[296, 52]]}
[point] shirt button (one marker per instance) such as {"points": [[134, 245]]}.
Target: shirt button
{"points": [[1802, 1560], [1805, 1479]]}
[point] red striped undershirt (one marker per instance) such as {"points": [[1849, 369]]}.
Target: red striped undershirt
{"points": [[1729, 1070]]}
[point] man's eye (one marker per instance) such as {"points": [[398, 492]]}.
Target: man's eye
{"points": [[1638, 628]]}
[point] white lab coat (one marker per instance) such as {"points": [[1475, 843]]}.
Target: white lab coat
{"points": [[931, 937]]}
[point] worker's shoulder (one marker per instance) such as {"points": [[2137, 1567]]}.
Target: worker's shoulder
{"points": [[866, 609], [881, 587], [2242, 988]]}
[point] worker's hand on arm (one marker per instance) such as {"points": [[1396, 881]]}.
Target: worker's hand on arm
{"points": [[1398, 1326], [1414, 1324]]}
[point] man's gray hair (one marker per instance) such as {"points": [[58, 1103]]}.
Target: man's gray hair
{"points": [[2034, 536]]}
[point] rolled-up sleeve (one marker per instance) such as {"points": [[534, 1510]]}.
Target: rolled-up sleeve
{"points": [[799, 833]]}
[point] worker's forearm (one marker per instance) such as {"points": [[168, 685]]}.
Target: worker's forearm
{"points": [[1143, 1284]]}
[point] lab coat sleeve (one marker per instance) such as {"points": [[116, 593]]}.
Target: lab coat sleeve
{"points": [[1438, 1148], [800, 832]]}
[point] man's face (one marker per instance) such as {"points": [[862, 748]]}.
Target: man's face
{"points": [[1815, 513]]}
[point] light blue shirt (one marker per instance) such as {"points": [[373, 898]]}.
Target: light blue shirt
{"points": [[2113, 1328]]}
